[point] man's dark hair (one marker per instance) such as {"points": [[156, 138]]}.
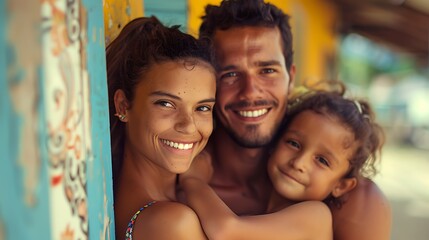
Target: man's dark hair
{"points": [[251, 13]]}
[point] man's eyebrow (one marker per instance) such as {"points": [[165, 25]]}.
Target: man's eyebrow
{"points": [[227, 68], [165, 94], [267, 63]]}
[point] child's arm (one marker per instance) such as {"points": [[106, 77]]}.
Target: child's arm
{"points": [[306, 220]]}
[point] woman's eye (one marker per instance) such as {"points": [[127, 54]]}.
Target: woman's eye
{"points": [[204, 108], [323, 161], [164, 104]]}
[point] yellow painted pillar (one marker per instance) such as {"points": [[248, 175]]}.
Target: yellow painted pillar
{"points": [[314, 37], [196, 9], [117, 13]]}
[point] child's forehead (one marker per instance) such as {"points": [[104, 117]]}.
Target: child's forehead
{"points": [[320, 119]]}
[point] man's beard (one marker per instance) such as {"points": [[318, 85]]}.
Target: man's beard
{"points": [[252, 138]]}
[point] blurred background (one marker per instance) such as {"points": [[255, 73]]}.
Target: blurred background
{"points": [[55, 172]]}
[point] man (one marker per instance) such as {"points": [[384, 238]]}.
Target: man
{"points": [[253, 46]]}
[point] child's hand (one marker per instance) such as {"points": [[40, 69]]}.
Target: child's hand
{"points": [[201, 168]]}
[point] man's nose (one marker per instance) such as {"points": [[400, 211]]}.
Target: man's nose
{"points": [[250, 87]]}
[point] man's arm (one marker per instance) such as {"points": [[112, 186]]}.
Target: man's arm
{"points": [[366, 214]]}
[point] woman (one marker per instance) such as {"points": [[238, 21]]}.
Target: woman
{"points": [[161, 95]]}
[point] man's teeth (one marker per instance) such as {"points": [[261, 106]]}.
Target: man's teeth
{"points": [[181, 146], [255, 113]]}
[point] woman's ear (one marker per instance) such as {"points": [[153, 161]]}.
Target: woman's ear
{"points": [[121, 105], [344, 186]]}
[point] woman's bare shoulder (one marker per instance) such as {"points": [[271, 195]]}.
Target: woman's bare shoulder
{"points": [[163, 220]]}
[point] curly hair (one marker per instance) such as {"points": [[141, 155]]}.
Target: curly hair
{"points": [[356, 115]]}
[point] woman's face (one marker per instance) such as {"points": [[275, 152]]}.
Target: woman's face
{"points": [[170, 118]]}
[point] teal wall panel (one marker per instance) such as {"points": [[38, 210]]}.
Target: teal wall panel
{"points": [[169, 12], [24, 198], [99, 175], [55, 166]]}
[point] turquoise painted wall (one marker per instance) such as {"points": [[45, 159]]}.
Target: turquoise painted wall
{"points": [[100, 186], [55, 169], [21, 203], [169, 12]]}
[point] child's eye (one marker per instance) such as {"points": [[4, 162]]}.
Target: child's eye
{"points": [[294, 144], [164, 103], [323, 161]]}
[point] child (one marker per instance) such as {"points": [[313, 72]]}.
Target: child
{"points": [[325, 144]]}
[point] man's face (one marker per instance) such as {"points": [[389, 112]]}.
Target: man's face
{"points": [[253, 83]]}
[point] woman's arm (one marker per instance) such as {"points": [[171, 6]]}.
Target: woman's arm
{"points": [[306, 220], [168, 220]]}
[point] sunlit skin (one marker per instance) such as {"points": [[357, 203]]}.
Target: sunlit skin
{"points": [[251, 100], [167, 124], [253, 82], [170, 119], [312, 158]]}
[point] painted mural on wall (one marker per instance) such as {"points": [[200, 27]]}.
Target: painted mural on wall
{"points": [[67, 106]]}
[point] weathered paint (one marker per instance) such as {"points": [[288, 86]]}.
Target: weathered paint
{"points": [[99, 171], [53, 122], [169, 12], [24, 199], [67, 126], [117, 13]]}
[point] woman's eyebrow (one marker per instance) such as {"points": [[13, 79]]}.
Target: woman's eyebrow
{"points": [[165, 94]]}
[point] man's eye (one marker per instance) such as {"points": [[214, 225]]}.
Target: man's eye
{"points": [[323, 161], [268, 70], [228, 78], [229, 74]]}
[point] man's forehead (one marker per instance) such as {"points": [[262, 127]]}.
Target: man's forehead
{"points": [[248, 44], [245, 35]]}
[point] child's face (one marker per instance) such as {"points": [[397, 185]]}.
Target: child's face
{"points": [[311, 158], [170, 119]]}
